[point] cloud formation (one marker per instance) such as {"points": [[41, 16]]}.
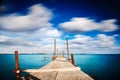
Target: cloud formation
{"points": [[6, 40], [33, 33], [99, 44], [28, 33], [38, 17], [86, 24]]}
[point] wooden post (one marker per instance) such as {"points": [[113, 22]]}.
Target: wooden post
{"points": [[55, 47], [17, 70], [57, 52], [54, 54], [72, 58], [67, 48], [63, 53]]}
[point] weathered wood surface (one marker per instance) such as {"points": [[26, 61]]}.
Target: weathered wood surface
{"points": [[59, 69]]}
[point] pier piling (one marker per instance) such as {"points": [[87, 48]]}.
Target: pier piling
{"points": [[55, 53], [17, 70], [67, 48], [72, 58]]}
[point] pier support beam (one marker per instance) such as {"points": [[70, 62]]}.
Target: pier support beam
{"points": [[17, 70], [54, 54], [63, 53], [72, 58], [67, 48]]}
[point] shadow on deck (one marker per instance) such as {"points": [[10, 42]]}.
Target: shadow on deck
{"points": [[29, 77]]}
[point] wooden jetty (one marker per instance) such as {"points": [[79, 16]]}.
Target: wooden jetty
{"points": [[60, 68]]}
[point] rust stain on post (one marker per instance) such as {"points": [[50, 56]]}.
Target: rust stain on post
{"points": [[16, 60], [63, 53], [57, 52], [17, 71], [55, 47], [67, 48], [72, 57], [54, 54]]}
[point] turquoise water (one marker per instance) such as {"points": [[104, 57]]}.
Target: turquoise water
{"points": [[100, 67]]}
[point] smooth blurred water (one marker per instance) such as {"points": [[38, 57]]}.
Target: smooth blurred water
{"points": [[98, 66], [26, 61]]}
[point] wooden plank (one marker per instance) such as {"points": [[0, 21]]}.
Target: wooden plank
{"points": [[59, 69]]}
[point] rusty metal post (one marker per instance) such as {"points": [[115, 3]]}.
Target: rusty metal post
{"points": [[63, 53], [54, 54], [57, 52], [67, 48], [55, 47], [72, 58], [17, 70]]}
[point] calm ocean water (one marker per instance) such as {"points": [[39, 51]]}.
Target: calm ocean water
{"points": [[98, 66]]}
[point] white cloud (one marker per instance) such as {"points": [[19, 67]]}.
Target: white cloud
{"points": [[100, 44], [11, 44], [33, 33], [79, 44], [104, 41], [5, 40], [86, 24], [81, 39], [38, 17], [30, 33], [48, 32]]}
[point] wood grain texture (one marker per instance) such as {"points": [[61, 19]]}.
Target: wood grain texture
{"points": [[59, 69]]}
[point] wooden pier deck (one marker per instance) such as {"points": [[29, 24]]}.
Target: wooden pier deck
{"points": [[59, 69]]}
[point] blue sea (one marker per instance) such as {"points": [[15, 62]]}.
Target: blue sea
{"points": [[98, 66]]}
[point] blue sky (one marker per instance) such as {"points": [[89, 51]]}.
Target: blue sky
{"points": [[30, 26]]}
